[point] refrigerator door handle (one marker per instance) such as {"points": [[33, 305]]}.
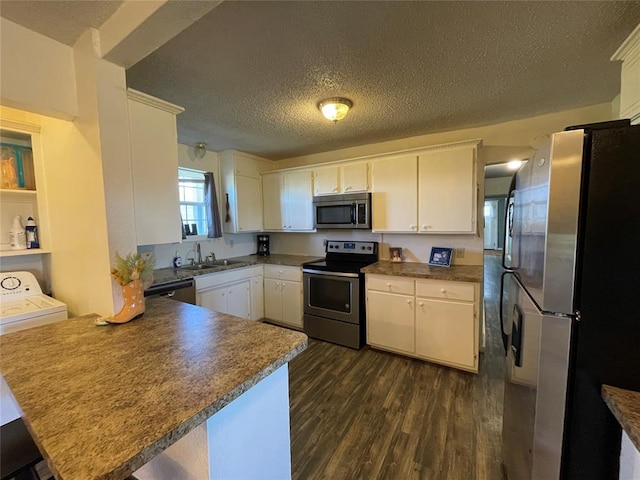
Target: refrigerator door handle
{"points": [[516, 335], [505, 336], [508, 221]]}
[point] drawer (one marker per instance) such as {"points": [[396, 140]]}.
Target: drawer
{"points": [[449, 290], [387, 283], [293, 274]]}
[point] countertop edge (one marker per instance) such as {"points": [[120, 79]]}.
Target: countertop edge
{"points": [[455, 273], [625, 406], [151, 451]]}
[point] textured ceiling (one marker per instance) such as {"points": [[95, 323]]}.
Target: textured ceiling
{"points": [[62, 21], [250, 74]]}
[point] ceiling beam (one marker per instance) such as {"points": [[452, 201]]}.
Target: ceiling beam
{"points": [[138, 28]]}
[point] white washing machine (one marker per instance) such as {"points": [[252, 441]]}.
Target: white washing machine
{"points": [[22, 305]]}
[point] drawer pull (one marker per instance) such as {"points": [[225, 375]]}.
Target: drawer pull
{"points": [[421, 304], [442, 290], [409, 302], [389, 285]]}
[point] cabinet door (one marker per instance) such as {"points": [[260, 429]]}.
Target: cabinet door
{"points": [[326, 181], [355, 178], [214, 299], [257, 297], [238, 300], [272, 299], [249, 198], [273, 206], [447, 191], [395, 194], [299, 200], [292, 303], [445, 331], [154, 161], [390, 321]]}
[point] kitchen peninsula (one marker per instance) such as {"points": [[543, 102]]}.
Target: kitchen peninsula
{"points": [[101, 402]]}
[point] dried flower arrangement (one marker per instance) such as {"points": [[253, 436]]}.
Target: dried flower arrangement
{"points": [[134, 266]]}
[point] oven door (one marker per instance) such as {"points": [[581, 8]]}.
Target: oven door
{"points": [[332, 295]]}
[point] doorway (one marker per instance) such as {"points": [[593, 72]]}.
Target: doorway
{"points": [[491, 234]]}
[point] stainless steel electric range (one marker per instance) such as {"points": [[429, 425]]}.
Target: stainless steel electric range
{"points": [[334, 298]]}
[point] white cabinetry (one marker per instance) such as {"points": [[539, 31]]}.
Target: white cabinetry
{"points": [[429, 319], [232, 292], [154, 160], [447, 190], [337, 179], [241, 181], [629, 54], [394, 201], [429, 191], [283, 295], [288, 200]]}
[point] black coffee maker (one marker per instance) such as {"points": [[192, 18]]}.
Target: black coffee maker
{"points": [[263, 245]]}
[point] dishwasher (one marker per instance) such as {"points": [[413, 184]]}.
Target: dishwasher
{"points": [[180, 290]]}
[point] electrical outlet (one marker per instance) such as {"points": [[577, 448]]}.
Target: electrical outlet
{"points": [[459, 252]]}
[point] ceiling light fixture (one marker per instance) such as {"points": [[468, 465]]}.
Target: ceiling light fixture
{"points": [[200, 150], [514, 164], [335, 109]]}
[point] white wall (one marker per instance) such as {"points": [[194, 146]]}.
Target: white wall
{"points": [[37, 73]]}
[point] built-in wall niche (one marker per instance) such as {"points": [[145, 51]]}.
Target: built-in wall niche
{"points": [[18, 193]]}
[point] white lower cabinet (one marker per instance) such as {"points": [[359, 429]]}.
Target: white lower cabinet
{"points": [[390, 321], [433, 320], [283, 295], [232, 292]]}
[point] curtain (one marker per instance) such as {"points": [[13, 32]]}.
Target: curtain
{"points": [[214, 226]]}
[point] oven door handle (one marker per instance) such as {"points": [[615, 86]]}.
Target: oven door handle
{"points": [[332, 274]]}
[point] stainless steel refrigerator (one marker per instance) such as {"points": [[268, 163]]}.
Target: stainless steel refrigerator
{"points": [[570, 306]]}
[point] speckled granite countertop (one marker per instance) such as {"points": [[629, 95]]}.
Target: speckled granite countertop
{"points": [[458, 273], [625, 406], [165, 275], [100, 402]]}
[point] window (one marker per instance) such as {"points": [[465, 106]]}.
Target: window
{"points": [[192, 203]]}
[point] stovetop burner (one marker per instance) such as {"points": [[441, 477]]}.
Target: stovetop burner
{"points": [[345, 256]]}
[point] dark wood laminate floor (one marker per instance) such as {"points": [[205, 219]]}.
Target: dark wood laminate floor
{"points": [[373, 415]]}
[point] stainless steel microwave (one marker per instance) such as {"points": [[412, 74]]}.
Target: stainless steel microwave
{"points": [[352, 210]]}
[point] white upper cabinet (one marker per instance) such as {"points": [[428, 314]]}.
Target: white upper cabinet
{"points": [[326, 181], [154, 161], [288, 200], [629, 54], [430, 191], [241, 181], [355, 177], [339, 179], [447, 190], [394, 201]]}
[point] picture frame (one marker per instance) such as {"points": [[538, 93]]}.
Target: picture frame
{"points": [[395, 254], [440, 256]]}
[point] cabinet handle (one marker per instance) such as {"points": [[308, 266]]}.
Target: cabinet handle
{"points": [[335, 189], [421, 304], [389, 285], [409, 302], [347, 189], [413, 227], [425, 227], [442, 290]]}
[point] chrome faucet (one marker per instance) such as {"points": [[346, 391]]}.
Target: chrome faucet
{"points": [[198, 253]]}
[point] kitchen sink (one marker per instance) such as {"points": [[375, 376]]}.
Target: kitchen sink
{"points": [[215, 263]]}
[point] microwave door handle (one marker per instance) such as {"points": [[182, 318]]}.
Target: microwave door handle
{"points": [[354, 214]]}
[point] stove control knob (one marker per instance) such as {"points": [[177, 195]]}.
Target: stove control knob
{"points": [[368, 248], [362, 247]]}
